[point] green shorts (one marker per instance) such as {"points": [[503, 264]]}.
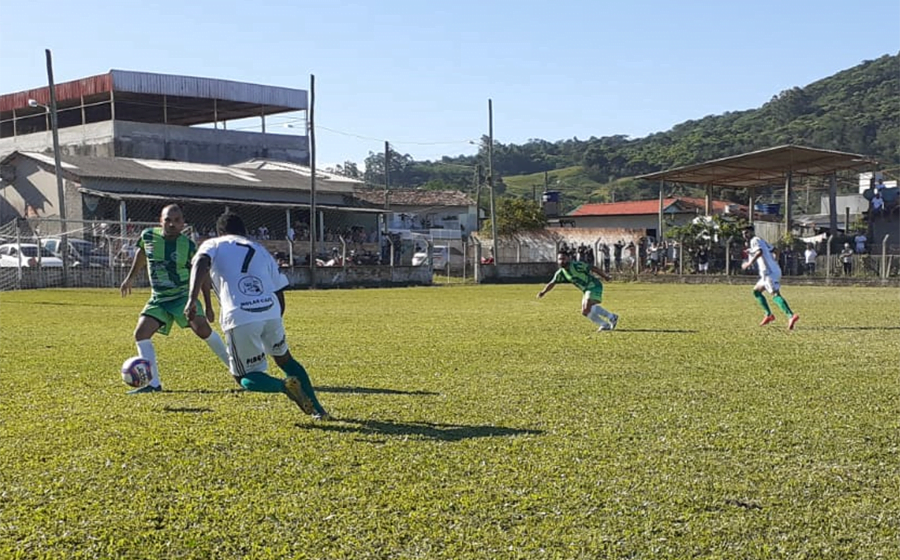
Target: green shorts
{"points": [[593, 295], [168, 312]]}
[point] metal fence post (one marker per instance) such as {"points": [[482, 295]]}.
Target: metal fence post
{"points": [[828, 257], [728, 256], [884, 268]]}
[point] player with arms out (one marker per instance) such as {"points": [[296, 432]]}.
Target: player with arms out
{"points": [[250, 288], [760, 253], [167, 254], [584, 277]]}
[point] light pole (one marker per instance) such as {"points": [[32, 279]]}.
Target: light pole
{"points": [[60, 191]]}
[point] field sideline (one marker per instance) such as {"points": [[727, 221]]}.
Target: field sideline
{"points": [[474, 422]]}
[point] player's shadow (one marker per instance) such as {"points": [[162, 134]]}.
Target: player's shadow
{"points": [[372, 391], [424, 430], [670, 331], [840, 328], [186, 409], [206, 391]]}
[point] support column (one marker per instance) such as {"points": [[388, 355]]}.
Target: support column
{"points": [[832, 204], [788, 196]]}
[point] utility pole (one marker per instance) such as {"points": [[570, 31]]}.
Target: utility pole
{"points": [[60, 190], [496, 254], [387, 169], [312, 181], [478, 197]]}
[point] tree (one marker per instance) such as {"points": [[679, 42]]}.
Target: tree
{"points": [[515, 215]]}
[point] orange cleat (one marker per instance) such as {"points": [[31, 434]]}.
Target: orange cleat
{"points": [[767, 320], [793, 321]]}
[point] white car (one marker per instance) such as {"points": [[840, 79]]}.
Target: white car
{"points": [[23, 255], [440, 254]]}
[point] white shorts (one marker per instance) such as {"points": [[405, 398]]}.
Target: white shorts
{"points": [[768, 283], [703, 267], [249, 344]]}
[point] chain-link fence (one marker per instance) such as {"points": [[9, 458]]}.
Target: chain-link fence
{"points": [[100, 251]]}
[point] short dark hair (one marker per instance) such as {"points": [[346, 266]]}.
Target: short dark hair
{"points": [[229, 222], [749, 228]]}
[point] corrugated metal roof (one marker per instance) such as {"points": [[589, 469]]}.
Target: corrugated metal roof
{"points": [[174, 172], [414, 197], [208, 88], [274, 97], [647, 207], [763, 167]]}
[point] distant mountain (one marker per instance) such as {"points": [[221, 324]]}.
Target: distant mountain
{"points": [[856, 110]]}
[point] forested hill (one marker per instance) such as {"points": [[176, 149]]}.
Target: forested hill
{"points": [[856, 110]]}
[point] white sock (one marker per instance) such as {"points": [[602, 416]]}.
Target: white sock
{"points": [[145, 350], [601, 312], [595, 317], [214, 341]]}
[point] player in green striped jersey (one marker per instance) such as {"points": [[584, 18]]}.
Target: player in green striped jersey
{"points": [[167, 254], [584, 277]]}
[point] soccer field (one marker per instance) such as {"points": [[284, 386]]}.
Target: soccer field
{"points": [[473, 422]]}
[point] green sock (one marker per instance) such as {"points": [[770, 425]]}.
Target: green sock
{"points": [[761, 299], [783, 305], [295, 369], [261, 383]]}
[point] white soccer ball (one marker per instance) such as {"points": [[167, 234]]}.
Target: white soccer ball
{"points": [[136, 372]]}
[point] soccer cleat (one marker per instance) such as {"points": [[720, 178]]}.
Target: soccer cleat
{"points": [[604, 328], [322, 416], [793, 321], [613, 321], [294, 392], [768, 319], [145, 389]]}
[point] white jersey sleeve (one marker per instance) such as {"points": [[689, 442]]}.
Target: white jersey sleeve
{"points": [[245, 278]]}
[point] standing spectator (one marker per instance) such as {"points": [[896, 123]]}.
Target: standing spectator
{"points": [[617, 253], [653, 251], [809, 257], [879, 186], [702, 260], [877, 204], [291, 234], [860, 241], [604, 250], [847, 259]]}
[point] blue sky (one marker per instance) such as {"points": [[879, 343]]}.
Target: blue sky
{"points": [[419, 73]]}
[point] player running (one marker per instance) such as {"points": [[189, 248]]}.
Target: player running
{"points": [[760, 253], [167, 254], [250, 287], [584, 277]]}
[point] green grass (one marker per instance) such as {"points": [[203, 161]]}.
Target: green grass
{"points": [[477, 422]]}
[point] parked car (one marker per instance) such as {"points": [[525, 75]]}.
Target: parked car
{"points": [[81, 252], [23, 255], [440, 255]]}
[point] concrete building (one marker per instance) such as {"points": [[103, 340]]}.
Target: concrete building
{"points": [[130, 189], [439, 214], [155, 116], [644, 214]]}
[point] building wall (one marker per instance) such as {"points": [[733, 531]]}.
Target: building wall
{"points": [[206, 145], [95, 139], [159, 141], [648, 221]]}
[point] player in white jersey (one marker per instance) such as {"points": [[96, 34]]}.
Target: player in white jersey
{"points": [[250, 287], [769, 278]]}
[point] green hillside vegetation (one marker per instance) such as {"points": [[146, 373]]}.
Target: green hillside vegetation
{"points": [[855, 110]]}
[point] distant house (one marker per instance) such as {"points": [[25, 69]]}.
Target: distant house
{"points": [[442, 214], [644, 214]]}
